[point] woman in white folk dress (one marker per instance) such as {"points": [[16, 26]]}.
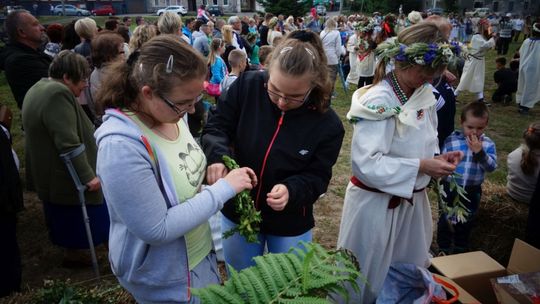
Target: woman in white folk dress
{"points": [[474, 71], [386, 214]]}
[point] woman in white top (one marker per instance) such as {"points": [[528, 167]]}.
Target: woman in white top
{"points": [[331, 40], [273, 30], [524, 166], [474, 71]]}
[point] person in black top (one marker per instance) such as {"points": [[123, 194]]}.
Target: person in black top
{"points": [[279, 123], [11, 202], [22, 59], [263, 29], [506, 81]]}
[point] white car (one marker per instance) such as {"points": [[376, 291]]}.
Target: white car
{"points": [[178, 9]]}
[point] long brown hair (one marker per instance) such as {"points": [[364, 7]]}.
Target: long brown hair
{"points": [[531, 136], [425, 32], [124, 79], [297, 57]]}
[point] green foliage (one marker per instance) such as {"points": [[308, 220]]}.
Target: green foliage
{"points": [[451, 6], [300, 276], [250, 218], [370, 6], [63, 292], [456, 211], [286, 7]]}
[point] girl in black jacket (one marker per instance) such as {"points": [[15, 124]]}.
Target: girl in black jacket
{"points": [[279, 124]]}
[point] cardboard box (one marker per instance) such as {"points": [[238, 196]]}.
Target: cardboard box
{"points": [[521, 288], [473, 270]]}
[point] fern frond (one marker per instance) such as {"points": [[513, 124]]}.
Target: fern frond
{"points": [[300, 276], [267, 273], [258, 283], [279, 276]]}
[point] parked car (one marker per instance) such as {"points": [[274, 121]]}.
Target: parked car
{"points": [[436, 11], [215, 10], [321, 10], [179, 9], [71, 10], [10, 8], [104, 10], [480, 12]]}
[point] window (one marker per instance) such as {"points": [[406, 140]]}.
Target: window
{"points": [[215, 2], [225, 2]]}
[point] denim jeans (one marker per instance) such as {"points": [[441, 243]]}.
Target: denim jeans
{"points": [[239, 253]]}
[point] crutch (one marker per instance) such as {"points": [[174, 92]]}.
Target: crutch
{"points": [[67, 157], [342, 78]]}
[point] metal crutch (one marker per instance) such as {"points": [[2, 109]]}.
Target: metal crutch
{"points": [[67, 157]]}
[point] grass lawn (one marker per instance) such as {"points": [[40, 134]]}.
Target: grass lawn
{"points": [[500, 219]]}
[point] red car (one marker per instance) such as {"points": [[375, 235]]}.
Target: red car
{"points": [[104, 10]]}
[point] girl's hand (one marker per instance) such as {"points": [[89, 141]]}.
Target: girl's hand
{"points": [[278, 198], [215, 172], [436, 167], [241, 179], [93, 185]]}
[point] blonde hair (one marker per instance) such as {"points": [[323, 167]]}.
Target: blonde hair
{"points": [[298, 58], [330, 25], [425, 32], [265, 54], [141, 34], [236, 58], [216, 44], [86, 28], [227, 33], [161, 63], [169, 23]]}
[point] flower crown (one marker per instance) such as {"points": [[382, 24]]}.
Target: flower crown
{"points": [[364, 26], [427, 54]]}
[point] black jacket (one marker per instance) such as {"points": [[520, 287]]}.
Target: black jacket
{"points": [[305, 148], [24, 67], [11, 196]]}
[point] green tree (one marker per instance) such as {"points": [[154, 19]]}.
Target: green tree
{"points": [[451, 6], [286, 7]]}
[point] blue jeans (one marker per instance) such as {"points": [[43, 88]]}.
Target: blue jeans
{"points": [[239, 253]]}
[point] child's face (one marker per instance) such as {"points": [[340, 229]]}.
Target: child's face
{"points": [[499, 66], [474, 125]]}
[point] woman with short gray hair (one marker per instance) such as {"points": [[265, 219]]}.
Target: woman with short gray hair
{"points": [[55, 123]]}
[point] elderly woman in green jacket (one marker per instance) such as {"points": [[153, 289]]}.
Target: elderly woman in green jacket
{"points": [[55, 123]]}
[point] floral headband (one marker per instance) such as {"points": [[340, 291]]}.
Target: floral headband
{"points": [[427, 54], [364, 27]]}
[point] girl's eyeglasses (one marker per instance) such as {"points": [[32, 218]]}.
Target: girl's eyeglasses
{"points": [[277, 96], [183, 107]]}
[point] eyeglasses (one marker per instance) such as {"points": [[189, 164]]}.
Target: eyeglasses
{"points": [[277, 96], [176, 107]]}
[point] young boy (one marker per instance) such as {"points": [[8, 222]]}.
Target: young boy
{"points": [[479, 156], [506, 81], [238, 62]]}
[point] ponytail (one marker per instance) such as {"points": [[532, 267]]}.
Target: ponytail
{"points": [[119, 91], [529, 160]]}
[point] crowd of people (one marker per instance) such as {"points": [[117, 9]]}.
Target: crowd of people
{"points": [[135, 107]]}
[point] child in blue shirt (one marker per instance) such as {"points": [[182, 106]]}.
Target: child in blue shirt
{"points": [[479, 156]]}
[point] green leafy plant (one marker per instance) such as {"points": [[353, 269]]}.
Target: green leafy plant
{"points": [[456, 211], [250, 218], [313, 275]]}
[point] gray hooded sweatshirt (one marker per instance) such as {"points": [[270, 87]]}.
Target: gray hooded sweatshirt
{"points": [[147, 249]]}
